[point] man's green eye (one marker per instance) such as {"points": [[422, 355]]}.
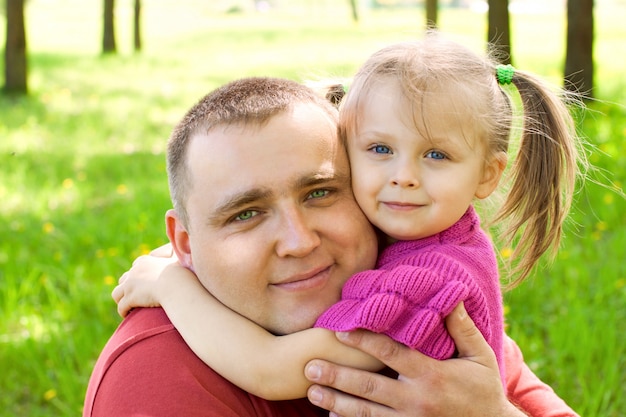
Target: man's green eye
{"points": [[319, 193], [246, 215]]}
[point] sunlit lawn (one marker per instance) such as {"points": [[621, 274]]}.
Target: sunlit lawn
{"points": [[83, 185]]}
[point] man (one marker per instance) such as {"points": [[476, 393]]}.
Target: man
{"points": [[264, 215]]}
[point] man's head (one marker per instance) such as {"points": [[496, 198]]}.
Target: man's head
{"points": [[246, 102], [264, 213]]}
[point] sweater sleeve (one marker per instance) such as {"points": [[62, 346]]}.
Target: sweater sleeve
{"points": [[409, 303]]}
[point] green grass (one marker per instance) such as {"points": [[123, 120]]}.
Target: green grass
{"points": [[83, 185]]}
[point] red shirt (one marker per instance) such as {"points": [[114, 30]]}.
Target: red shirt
{"points": [[147, 370]]}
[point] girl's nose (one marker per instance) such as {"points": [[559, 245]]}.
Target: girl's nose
{"points": [[406, 176]]}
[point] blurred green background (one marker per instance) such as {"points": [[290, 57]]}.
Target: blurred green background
{"points": [[83, 186]]}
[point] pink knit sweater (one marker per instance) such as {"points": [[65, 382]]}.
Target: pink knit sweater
{"points": [[417, 284]]}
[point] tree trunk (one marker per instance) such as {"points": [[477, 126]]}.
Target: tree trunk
{"points": [[137, 26], [431, 14], [498, 32], [108, 37], [579, 54], [15, 63], [355, 12]]}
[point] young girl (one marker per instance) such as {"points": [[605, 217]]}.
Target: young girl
{"points": [[427, 126]]}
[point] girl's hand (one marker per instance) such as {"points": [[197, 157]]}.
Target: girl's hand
{"points": [[138, 287]]}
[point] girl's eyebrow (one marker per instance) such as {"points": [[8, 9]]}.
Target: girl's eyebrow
{"points": [[446, 141], [373, 134]]}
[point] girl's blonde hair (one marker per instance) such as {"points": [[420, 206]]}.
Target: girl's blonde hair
{"points": [[544, 172]]}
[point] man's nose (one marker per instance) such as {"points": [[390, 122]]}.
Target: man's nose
{"points": [[406, 175], [296, 236]]}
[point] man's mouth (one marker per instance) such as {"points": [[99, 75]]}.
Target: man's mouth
{"points": [[315, 278]]}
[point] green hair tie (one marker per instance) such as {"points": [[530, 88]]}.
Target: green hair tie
{"points": [[504, 73]]}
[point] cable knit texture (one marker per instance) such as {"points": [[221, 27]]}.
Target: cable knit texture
{"points": [[417, 284]]}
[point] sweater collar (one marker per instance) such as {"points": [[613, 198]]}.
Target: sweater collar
{"points": [[458, 233]]}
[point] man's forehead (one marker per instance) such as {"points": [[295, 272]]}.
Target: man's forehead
{"points": [[292, 146], [272, 127]]}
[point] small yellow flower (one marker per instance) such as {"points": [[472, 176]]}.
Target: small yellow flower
{"points": [[144, 249], [50, 394], [620, 283], [109, 280], [608, 198], [122, 189], [68, 183], [506, 252], [48, 227], [601, 226]]}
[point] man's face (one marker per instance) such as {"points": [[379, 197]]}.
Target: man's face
{"points": [[274, 231]]}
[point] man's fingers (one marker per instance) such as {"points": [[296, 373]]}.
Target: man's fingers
{"points": [[344, 405], [469, 342], [393, 354], [348, 380]]}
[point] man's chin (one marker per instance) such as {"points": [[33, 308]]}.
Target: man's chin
{"points": [[297, 323]]}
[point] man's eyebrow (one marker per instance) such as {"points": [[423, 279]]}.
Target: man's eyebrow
{"points": [[238, 200], [319, 178]]}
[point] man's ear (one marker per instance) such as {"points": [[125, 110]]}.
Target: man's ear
{"points": [[492, 172], [179, 237]]}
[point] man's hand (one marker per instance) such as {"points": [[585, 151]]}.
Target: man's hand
{"points": [[465, 386]]}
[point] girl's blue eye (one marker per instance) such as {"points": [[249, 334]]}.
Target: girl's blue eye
{"points": [[246, 215], [381, 149], [436, 155]]}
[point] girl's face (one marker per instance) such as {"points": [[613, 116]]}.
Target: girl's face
{"points": [[408, 184]]}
